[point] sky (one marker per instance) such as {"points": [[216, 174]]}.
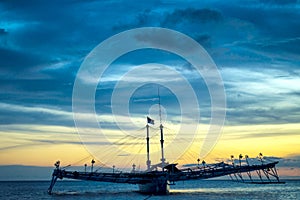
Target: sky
{"points": [[255, 46]]}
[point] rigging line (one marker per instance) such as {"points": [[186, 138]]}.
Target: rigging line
{"points": [[132, 140], [135, 142], [189, 154], [184, 156], [111, 151], [85, 158], [108, 150], [143, 146], [166, 127], [130, 148], [192, 154], [134, 157], [131, 143], [217, 155], [187, 158], [182, 139], [135, 134], [124, 140], [159, 104], [108, 153], [139, 157], [99, 166], [154, 128], [105, 150], [126, 163], [138, 131], [141, 129]]}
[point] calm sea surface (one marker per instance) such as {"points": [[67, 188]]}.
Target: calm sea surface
{"points": [[204, 189]]}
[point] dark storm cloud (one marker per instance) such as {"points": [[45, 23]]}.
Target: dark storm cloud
{"points": [[189, 20], [139, 19], [279, 2], [42, 45], [3, 31], [62, 29], [13, 60], [272, 22], [170, 18], [49, 26], [285, 49], [204, 40], [191, 15]]}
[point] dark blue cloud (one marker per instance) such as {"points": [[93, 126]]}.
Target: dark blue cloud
{"points": [[42, 45], [191, 15], [13, 60], [279, 2], [272, 22]]}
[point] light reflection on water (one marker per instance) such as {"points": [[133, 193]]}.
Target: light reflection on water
{"points": [[227, 190], [198, 190], [210, 190]]}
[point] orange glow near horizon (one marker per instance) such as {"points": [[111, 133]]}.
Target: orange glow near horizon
{"points": [[23, 148]]}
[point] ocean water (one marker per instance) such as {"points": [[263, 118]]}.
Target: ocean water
{"points": [[201, 189]]}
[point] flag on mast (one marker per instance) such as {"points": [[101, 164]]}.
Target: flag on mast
{"points": [[150, 121]]}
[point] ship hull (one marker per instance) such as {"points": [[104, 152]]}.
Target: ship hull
{"points": [[157, 187]]}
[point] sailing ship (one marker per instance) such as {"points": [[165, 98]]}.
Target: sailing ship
{"points": [[157, 178]]}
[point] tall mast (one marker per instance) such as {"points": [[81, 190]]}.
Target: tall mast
{"points": [[148, 156], [161, 134], [159, 105]]}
